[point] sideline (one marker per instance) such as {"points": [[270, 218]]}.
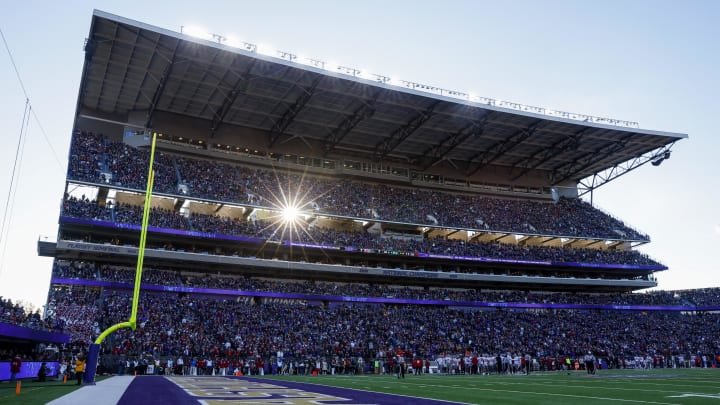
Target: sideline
{"points": [[110, 390]]}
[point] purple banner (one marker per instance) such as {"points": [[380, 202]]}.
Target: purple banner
{"points": [[21, 332], [28, 369], [379, 300], [160, 230], [352, 249]]}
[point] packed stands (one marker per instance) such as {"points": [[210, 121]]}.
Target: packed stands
{"points": [[218, 327], [15, 314], [221, 181], [82, 270], [84, 208]]}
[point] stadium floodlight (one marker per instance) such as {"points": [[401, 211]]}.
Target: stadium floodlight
{"points": [[196, 32], [366, 74], [287, 55], [266, 50], [316, 62], [657, 161], [304, 60], [350, 71], [381, 78], [234, 42]]}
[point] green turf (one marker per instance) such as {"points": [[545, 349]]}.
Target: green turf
{"points": [[36, 393], [684, 386], [674, 386]]}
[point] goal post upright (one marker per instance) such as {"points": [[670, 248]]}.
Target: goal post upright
{"points": [[94, 351]]}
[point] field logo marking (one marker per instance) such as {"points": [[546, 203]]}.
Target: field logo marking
{"points": [[218, 391]]}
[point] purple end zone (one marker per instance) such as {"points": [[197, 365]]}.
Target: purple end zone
{"points": [[154, 390]]}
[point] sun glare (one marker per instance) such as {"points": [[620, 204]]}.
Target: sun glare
{"points": [[289, 214]]}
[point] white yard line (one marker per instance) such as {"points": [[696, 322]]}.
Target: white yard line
{"points": [[558, 395]]}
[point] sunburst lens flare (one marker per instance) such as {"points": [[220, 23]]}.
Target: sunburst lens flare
{"points": [[290, 214]]}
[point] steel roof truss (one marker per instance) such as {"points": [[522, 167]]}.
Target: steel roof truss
{"points": [[502, 147], [148, 74], [141, 33], [123, 82], [545, 154], [602, 177], [437, 154], [386, 146], [202, 83], [281, 125], [240, 87], [105, 72], [365, 111], [161, 87], [591, 158]]}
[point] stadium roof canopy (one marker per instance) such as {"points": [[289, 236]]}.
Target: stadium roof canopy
{"points": [[134, 68]]}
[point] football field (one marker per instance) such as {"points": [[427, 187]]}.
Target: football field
{"points": [[670, 386], [662, 386]]}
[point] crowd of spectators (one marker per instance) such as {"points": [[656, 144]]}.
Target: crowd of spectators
{"points": [[85, 208], [701, 296], [171, 324], [74, 310], [238, 327], [16, 314], [159, 217], [222, 181], [360, 241], [129, 168], [219, 327], [168, 277], [86, 153]]}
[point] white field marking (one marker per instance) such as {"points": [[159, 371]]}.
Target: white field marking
{"points": [[411, 396], [666, 373], [595, 387], [657, 384], [715, 396], [556, 395], [515, 392], [639, 381]]}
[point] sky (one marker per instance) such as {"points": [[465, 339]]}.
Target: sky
{"points": [[655, 62]]}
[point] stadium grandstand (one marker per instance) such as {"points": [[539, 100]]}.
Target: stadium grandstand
{"points": [[308, 217]]}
